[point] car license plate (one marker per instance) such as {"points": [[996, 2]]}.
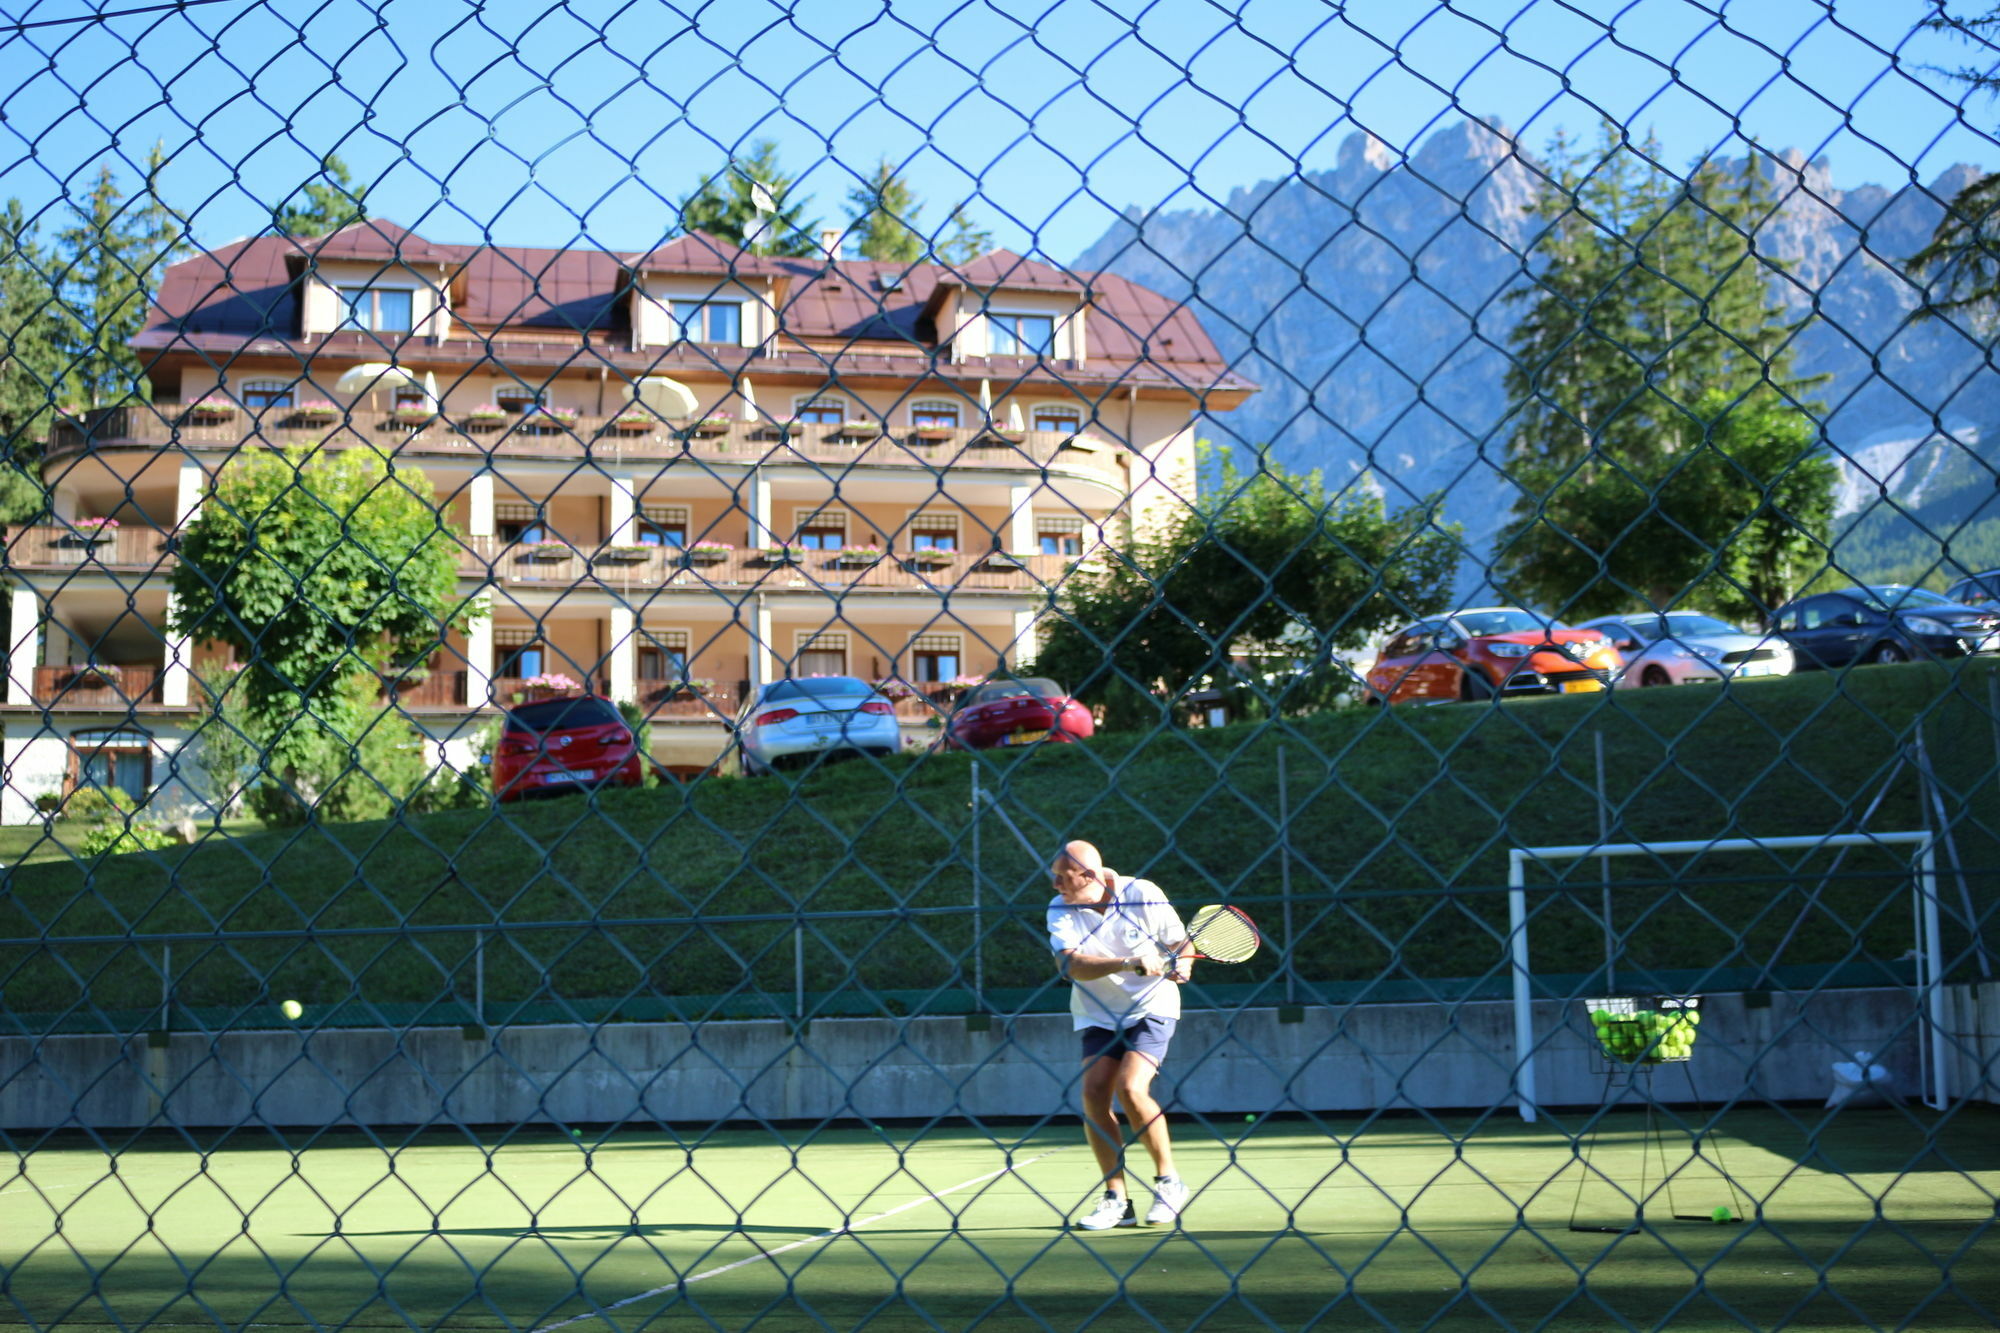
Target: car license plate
{"points": [[1580, 686], [1025, 737], [565, 775]]}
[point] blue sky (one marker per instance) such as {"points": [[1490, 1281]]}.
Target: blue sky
{"points": [[582, 124]]}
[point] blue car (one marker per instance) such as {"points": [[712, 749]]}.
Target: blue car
{"points": [[1885, 623], [791, 723]]}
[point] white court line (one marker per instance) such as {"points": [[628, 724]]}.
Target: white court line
{"points": [[48, 1189], [759, 1257]]}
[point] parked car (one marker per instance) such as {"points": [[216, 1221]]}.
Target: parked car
{"points": [[1490, 652], [572, 743], [789, 723], [1885, 623], [1979, 590], [1686, 648], [1016, 711]]}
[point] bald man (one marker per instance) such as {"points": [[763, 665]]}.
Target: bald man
{"points": [[1111, 935]]}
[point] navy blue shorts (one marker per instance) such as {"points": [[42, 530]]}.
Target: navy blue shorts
{"points": [[1148, 1036]]}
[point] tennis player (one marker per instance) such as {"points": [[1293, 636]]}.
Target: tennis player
{"points": [[1106, 930]]}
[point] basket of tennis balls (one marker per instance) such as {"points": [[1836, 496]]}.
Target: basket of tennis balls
{"points": [[1645, 1030]]}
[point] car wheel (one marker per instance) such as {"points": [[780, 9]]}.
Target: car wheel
{"points": [[1653, 677], [1473, 687], [1888, 652]]}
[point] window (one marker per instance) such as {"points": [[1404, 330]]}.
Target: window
{"points": [[519, 522], [1064, 420], [516, 399], [934, 532], [934, 659], [263, 395], [119, 760], [407, 397], [821, 654], [1059, 536], [708, 321], [826, 411], [521, 654], [376, 309], [825, 530], [664, 657], [662, 525], [1022, 335], [943, 416]]}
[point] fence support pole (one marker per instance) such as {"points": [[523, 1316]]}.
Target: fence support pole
{"points": [[1604, 871], [479, 978], [1933, 953], [1524, 1018], [978, 873], [1285, 879], [799, 972]]}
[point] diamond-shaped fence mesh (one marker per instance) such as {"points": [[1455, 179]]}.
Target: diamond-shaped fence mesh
{"points": [[638, 636]]}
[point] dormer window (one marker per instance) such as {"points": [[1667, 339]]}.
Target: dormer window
{"points": [[1022, 335], [708, 321], [377, 309]]}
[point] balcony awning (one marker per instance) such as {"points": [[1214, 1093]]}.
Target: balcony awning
{"points": [[669, 397]]}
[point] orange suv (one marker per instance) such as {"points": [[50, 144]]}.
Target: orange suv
{"points": [[1492, 652]]}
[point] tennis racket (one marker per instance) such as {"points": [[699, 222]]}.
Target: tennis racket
{"points": [[1223, 934]]}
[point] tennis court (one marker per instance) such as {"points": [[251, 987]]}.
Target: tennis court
{"points": [[1395, 1221]]}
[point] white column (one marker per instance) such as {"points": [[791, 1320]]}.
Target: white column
{"points": [[177, 658], [1023, 654], [479, 522], [1021, 521], [478, 661], [623, 509], [760, 647], [624, 655], [24, 623], [193, 485], [760, 511]]}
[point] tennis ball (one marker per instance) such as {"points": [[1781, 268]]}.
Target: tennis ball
{"points": [[1249, 1115], [291, 1009], [576, 1133], [1721, 1214]]}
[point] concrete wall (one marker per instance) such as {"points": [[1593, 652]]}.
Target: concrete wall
{"points": [[1363, 1057]]}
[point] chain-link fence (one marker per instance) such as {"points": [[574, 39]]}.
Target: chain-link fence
{"points": [[639, 636]]}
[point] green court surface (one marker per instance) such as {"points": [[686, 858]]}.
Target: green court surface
{"points": [[1881, 1216]]}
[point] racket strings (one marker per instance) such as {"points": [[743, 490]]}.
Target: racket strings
{"points": [[1223, 934]]}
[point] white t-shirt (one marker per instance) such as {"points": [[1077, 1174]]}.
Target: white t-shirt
{"points": [[1138, 911]]}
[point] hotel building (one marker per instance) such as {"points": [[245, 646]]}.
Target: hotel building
{"points": [[675, 475]]}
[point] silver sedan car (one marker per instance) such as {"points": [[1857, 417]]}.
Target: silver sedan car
{"points": [[789, 723], [1686, 648]]}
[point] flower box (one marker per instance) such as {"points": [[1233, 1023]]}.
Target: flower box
{"points": [[858, 556], [632, 423], [860, 430], [90, 675], [314, 414], [95, 530], [548, 420], [781, 555], [548, 553], [708, 553], [711, 425], [933, 434], [928, 559], [625, 555], [894, 689], [413, 415], [1003, 560], [1002, 435], [210, 410]]}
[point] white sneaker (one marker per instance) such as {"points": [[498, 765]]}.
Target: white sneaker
{"points": [[1169, 1197], [1113, 1210]]}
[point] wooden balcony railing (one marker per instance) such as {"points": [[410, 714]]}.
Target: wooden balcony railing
{"points": [[601, 437], [654, 567], [55, 546], [100, 687]]}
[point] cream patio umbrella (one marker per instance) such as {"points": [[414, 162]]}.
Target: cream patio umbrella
{"points": [[669, 397], [748, 393], [370, 377], [1014, 421]]}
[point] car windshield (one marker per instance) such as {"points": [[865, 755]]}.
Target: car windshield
{"points": [[561, 714], [1686, 626], [1889, 596], [813, 688], [1013, 689], [1478, 623]]}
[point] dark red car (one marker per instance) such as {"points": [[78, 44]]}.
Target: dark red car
{"points": [[567, 744], [1016, 711]]}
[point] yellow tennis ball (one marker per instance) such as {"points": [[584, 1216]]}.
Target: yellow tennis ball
{"points": [[291, 1009]]}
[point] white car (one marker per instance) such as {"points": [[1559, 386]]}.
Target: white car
{"points": [[1686, 648], [788, 723]]}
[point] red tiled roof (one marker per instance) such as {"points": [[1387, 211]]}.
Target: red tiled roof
{"points": [[378, 238]]}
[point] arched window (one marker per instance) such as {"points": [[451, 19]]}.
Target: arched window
{"points": [[263, 395], [829, 409], [935, 412], [1060, 417]]}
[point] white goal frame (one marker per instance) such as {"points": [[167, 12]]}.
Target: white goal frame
{"points": [[1930, 950]]}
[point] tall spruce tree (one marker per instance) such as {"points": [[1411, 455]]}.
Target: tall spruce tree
{"points": [[322, 205], [31, 358], [113, 252], [966, 242], [882, 213], [1962, 262], [754, 203], [1651, 322]]}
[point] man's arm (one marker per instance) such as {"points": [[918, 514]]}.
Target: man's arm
{"points": [[1078, 966]]}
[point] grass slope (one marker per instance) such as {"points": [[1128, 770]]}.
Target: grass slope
{"points": [[1396, 843]]}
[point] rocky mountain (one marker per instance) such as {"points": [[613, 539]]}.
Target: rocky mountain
{"points": [[1371, 302]]}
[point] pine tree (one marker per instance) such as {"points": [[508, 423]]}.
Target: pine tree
{"points": [[1651, 325], [882, 213], [966, 242], [112, 256], [1962, 262], [31, 321], [753, 203], [322, 205]]}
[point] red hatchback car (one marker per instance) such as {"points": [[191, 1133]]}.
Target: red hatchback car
{"points": [[1494, 652], [567, 744], [1016, 711]]}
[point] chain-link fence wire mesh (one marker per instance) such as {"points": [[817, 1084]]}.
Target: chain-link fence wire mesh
{"points": [[840, 456]]}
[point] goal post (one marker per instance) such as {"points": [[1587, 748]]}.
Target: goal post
{"points": [[1930, 948]]}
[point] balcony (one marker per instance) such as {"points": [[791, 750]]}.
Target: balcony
{"points": [[670, 567], [606, 439], [55, 546], [98, 688]]}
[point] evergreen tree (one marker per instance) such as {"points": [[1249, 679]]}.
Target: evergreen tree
{"points": [[1962, 262], [1651, 323], [113, 254], [753, 203], [322, 205], [966, 242], [882, 214], [31, 356]]}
